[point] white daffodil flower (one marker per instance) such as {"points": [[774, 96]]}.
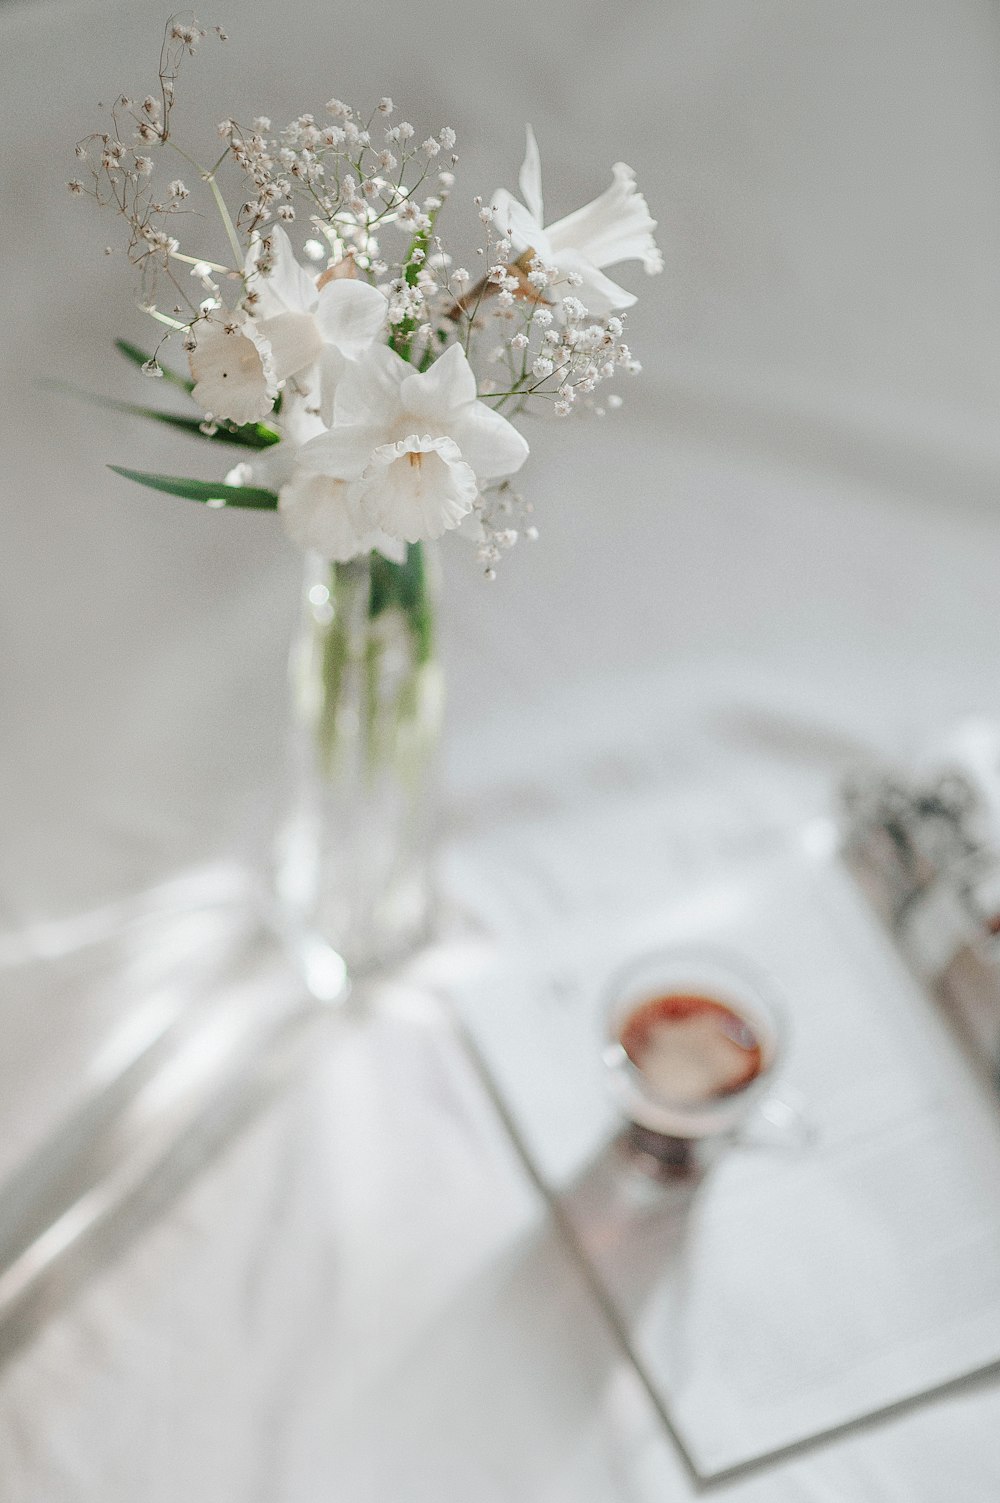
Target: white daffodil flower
{"points": [[414, 448], [312, 325], [233, 370], [615, 227], [320, 513]]}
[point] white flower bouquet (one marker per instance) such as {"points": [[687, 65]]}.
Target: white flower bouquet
{"points": [[373, 386]]}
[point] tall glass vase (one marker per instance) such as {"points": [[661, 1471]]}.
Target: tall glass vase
{"points": [[354, 869]]}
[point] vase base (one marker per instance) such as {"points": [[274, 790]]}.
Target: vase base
{"points": [[329, 975]]}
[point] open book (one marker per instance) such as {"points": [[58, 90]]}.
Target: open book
{"points": [[796, 1290]]}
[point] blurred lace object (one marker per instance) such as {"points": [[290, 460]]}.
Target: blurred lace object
{"points": [[924, 842]]}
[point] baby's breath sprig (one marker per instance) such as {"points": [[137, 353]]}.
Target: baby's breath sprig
{"points": [[123, 162], [503, 516], [352, 174], [563, 362]]}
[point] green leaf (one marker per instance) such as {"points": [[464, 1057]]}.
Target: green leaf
{"points": [[139, 357], [247, 436], [211, 492]]}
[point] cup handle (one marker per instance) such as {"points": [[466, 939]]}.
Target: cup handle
{"points": [[779, 1120]]}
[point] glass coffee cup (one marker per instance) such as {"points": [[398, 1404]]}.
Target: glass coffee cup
{"points": [[694, 1036]]}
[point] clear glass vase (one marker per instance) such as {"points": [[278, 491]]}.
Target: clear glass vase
{"points": [[354, 866]]}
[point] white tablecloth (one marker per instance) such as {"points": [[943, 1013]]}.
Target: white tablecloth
{"points": [[782, 554]]}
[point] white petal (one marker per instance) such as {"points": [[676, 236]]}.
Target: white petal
{"points": [[441, 390], [615, 227], [394, 549], [298, 423], [341, 452], [368, 392], [233, 373], [521, 227], [295, 342], [332, 367], [488, 442], [418, 488], [530, 179], [350, 316], [321, 514], [289, 288], [596, 291]]}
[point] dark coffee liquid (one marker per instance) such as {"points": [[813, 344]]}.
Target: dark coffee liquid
{"points": [[691, 1049]]}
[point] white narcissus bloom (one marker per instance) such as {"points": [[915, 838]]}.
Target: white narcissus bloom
{"points": [[298, 330], [413, 448], [317, 512], [233, 370], [615, 227], [312, 324], [320, 513]]}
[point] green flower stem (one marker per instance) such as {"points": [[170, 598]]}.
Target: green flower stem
{"points": [[335, 651], [358, 660]]}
